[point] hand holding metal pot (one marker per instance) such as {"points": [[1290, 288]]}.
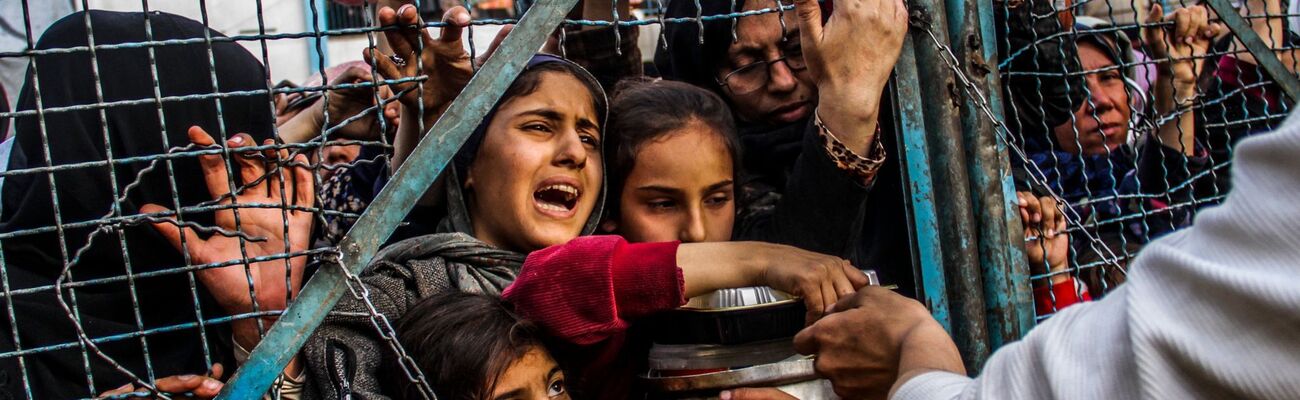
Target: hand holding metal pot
{"points": [[819, 279], [876, 338]]}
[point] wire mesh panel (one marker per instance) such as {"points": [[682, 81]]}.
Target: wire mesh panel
{"points": [[1122, 116]]}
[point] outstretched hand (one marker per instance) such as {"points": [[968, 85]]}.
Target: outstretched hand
{"points": [[1180, 49], [444, 61], [280, 230], [874, 337], [346, 103], [819, 279], [850, 58], [197, 386]]}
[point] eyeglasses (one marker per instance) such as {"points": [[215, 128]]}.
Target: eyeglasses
{"points": [[755, 75]]}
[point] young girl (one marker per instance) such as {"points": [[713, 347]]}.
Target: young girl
{"points": [[529, 177], [673, 158], [473, 346]]}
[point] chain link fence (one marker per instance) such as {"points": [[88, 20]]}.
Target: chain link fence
{"points": [[1131, 131]]}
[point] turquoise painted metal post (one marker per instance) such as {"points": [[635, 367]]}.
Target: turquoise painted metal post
{"points": [[318, 47], [1008, 298], [927, 248], [940, 106], [408, 184]]}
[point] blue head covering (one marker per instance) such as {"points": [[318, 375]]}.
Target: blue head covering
{"points": [[1090, 183]]}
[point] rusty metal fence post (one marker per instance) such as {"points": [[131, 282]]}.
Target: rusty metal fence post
{"points": [[940, 103], [1007, 298]]}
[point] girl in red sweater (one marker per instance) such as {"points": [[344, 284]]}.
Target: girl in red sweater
{"points": [[672, 152]]}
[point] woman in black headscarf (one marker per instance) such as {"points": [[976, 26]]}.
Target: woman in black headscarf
{"points": [[801, 186], [35, 259]]}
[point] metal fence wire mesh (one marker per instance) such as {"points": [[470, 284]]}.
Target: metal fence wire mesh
{"points": [[1129, 131], [117, 216]]}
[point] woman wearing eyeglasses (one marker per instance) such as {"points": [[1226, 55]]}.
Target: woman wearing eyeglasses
{"points": [[806, 93]]}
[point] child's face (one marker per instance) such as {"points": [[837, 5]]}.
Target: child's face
{"points": [[538, 173], [680, 189], [534, 376]]}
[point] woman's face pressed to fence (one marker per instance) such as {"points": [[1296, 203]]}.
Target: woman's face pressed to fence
{"points": [[537, 175], [680, 189], [1101, 124]]}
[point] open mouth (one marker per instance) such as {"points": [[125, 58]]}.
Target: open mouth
{"points": [[558, 199]]}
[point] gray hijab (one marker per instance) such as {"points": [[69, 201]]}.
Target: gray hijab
{"points": [[346, 356]]}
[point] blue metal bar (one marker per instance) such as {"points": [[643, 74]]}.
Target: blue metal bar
{"points": [[941, 107], [409, 183], [914, 153], [1008, 300], [314, 16], [1264, 56]]}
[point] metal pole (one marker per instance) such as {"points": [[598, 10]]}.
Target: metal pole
{"points": [[941, 106], [318, 48], [1008, 299], [408, 184], [922, 213]]}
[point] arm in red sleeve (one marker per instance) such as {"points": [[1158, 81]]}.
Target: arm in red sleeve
{"points": [[588, 289], [1059, 296]]}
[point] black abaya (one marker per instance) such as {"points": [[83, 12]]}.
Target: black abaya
{"points": [[86, 194]]}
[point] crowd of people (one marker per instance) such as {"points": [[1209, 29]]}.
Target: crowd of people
{"points": [[597, 191]]}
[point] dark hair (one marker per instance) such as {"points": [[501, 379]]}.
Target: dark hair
{"points": [[530, 79], [461, 342], [646, 110]]}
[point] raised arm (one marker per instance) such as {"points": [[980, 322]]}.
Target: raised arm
{"points": [[588, 289], [273, 231], [443, 61], [344, 104], [850, 58], [1180, 50]]}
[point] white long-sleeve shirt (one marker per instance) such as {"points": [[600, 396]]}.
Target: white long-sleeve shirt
{"points": [[1211, 312]]}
